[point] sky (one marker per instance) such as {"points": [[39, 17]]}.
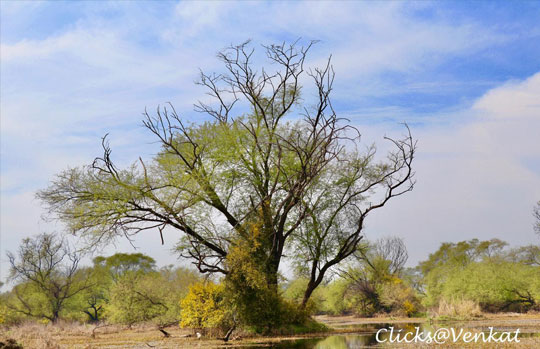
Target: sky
{"points": [[465, 76]]}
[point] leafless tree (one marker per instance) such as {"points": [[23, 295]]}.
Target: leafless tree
{"points": [[536, 214], [392, 249]]}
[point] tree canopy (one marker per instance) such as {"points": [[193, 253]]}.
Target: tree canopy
{"points": [[485, 272], [47, 269], [271, 169]]}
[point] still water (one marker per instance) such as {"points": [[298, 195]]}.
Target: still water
{"points": [[364, 338]]}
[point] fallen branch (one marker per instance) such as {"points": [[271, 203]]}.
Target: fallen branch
{"points": [[162, 327], [99, 326]]}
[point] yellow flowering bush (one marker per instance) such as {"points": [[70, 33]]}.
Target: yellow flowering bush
{"points": [[204, 306]]}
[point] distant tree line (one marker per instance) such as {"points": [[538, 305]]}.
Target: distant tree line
{"points": [[50, 284]]}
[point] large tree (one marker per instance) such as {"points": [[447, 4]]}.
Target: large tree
{"points": [[272, 172]]}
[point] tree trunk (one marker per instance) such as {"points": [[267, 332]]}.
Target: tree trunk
{"points": [[307, 294], [55, 316]]}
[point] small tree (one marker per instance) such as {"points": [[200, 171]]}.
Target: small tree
{"points": [[122, 297], [376, 278], [92, 301], [45, 266], [529, 255], [136, 297], [137, 291]]}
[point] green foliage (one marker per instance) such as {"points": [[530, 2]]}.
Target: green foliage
{"points": [[377, 282], [495, 285], [398, 297], [483, 272], [336, 300], [140, 295], [122, 263], [250, 286], [212, 306], [8, 314], [462, 253], [529, 255], [47, 269], [295, 293], [135, 297], [93, 300], [302, 183], [122, 288]]}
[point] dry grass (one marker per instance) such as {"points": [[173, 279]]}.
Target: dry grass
{"points": [[70, 335], [457, 309], [73, 335], [80, 336]]}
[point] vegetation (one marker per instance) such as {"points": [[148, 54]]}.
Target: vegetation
{"points": [[204, 307], [123, 288], [271, 176], [485, 272], [47, 271], [458, 281], [269, 173]]}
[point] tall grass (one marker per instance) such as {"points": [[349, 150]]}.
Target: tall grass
{"points": [[457, 309], [32, 334]]}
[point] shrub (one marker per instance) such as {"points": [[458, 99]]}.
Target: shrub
{"points": [[135, 297], [494, 285], [398, 297], [204, 307], [295, 293], [334, 300], [457, 309]]}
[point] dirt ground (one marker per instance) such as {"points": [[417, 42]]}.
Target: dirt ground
{"points": [[87, 336], [530, 322]]}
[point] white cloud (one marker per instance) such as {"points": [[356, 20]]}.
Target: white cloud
{"points": [[478, 178], [63, 92], [514, 100]]}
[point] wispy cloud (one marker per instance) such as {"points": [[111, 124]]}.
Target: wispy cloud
{"points": [[479, 177], [73, 71]]}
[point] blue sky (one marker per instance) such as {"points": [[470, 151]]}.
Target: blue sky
{"points": [[464, 75]]}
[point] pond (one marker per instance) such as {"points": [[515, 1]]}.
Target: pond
{"points": [[365, 337]]}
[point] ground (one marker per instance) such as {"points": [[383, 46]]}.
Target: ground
{"points": [[80, 336]]}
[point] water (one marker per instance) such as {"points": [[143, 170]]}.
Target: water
{"points": [[365, 337]]}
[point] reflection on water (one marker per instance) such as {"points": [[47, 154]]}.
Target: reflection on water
{"points": [[346, 341], [366, 337]]}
